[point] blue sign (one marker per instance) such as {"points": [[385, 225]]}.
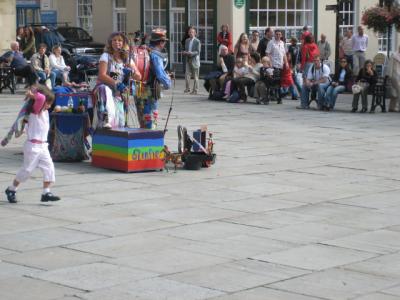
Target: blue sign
{"points": [[48, 16]]}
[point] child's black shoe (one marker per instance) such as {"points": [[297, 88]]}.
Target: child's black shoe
{"points": [[11, 197], [49, 197]]}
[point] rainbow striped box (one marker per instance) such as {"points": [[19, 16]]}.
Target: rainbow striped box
{"points": [[128, 149]]}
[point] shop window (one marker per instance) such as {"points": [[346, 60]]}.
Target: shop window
{"points": [[85, 15], [287, 15], [120, 15], [201, 16], [154, 14]]}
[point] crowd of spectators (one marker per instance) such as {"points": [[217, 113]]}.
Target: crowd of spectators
{"points": [[274, 67], [33, 62]]}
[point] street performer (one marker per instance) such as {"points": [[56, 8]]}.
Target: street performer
{"points": [[115, 71], [148, 91]]}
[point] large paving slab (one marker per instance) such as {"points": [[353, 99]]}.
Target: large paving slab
{"points": [[301, 205]]}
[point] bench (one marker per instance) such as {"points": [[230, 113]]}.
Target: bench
{"points": [[7, 79]]}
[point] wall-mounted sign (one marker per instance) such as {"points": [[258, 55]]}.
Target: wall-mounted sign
{"points": [[48, 16], [239, 3]]}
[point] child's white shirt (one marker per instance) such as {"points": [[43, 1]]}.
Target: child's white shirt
{"points": [[38, 126]]}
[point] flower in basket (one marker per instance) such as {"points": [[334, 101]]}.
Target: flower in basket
{"points": [[377, 18]]}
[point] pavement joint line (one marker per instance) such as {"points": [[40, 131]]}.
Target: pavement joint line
{"points": [[295, 293], [56, 283]]}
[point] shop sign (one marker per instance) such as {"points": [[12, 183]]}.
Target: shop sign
{"points": [[239, 3]]}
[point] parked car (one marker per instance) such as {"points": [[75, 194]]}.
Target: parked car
{"points": [[78, 41]]}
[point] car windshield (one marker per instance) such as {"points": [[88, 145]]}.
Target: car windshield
{"points": [[74, 34]]}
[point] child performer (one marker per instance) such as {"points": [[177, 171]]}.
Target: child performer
{"points": [[36, 151]]}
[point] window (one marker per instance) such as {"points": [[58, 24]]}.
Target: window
{"points": [[120, 15], [154, 14], [347, 14], [383, 41], [85, 13], [201, 16], [288, 15]]}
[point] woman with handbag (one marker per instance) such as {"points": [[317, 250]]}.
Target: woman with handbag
{"points": [[366, 79], [339, 83]]}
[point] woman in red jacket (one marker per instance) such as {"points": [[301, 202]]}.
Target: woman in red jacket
{"points": [[308, 51], [225, 38]]}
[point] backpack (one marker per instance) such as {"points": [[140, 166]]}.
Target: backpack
{"points": [[141, 57], [234, 97]]}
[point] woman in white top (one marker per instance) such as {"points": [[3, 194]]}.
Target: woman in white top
{"points": [[58, 66], [115, 70]]}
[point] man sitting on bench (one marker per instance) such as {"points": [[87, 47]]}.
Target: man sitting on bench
{"points": [[317, 80], [19, 64]]}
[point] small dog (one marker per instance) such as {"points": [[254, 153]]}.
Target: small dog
{"points": [[175, 158]]}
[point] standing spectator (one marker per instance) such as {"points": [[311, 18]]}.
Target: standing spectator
{"points": [[394, 73], [41, 64], [192, 54], [308, 51], [367, 79], [324, 47], [182, 49], [225, 38], [254, 41], [262, 45], [347, 46], [19, 64], [276, 51], [28, 45], [317, 80], [339, 83], [294, 58], [242, 47], [20, 34], [360, 45], [306, 32], [58, 66]]}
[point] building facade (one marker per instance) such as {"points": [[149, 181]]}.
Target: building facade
{"points": [[101, 17], [7, 23]]}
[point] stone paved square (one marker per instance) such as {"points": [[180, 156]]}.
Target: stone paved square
{"points": [[300, 205]]}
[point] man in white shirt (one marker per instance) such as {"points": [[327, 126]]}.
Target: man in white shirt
{"points": [[360, 45], [276, 51], [317, 80]]}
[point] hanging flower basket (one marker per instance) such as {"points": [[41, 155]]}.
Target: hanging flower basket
{"points": [[377, 18]]}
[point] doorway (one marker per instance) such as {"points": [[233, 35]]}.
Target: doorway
{"points": [[177, 31]]}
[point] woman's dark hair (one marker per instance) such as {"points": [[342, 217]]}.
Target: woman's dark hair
{"points": [[308, 39], [256, 57], [30, 32]]}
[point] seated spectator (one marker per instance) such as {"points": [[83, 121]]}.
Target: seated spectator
{"points": [[317, 80], [58, 66], [367, 79], [41, 64], [214, 81], [287, 82], [266, 73], [249, 78], [339, 83], [21, 67]]}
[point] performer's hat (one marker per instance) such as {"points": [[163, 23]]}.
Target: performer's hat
{"points": [[158, 34]]}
